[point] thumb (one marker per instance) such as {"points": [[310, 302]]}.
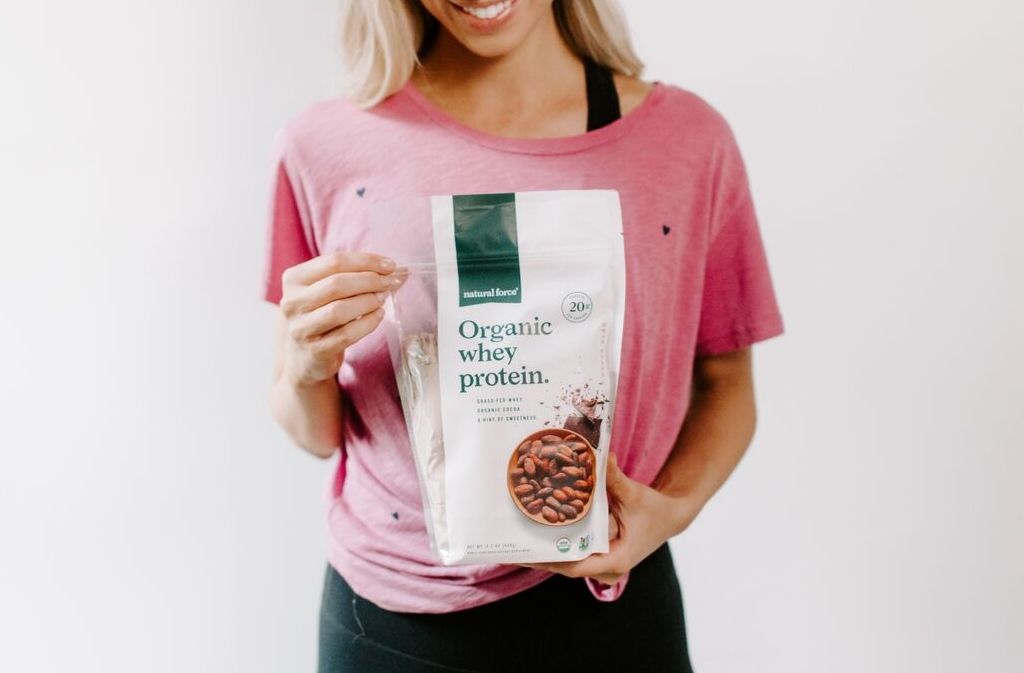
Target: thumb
{"points": [[620, 487]]}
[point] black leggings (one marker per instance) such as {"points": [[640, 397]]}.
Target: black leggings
{"points": [[555, 626]]}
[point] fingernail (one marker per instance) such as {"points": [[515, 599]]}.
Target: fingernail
{"points": [[387, 264], [396, 281], [380, 296]]}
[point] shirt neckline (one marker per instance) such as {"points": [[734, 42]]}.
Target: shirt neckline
{"points": [[555, 145]]}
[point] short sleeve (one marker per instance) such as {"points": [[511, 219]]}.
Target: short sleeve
{"points": [[289, 233], [738, 305]]}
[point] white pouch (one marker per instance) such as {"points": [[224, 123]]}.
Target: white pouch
{"points": [[506, 340]]}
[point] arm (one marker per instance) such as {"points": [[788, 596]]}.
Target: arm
{"points": [[327, 304], [716, 433], [310, 412]]}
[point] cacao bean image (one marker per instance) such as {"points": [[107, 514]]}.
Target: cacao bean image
{"points": [[550, 477]]}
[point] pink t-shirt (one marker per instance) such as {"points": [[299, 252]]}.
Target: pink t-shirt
{"points": [[697, 284]]}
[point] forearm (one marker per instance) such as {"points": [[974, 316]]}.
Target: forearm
{"points": [[715, 434], [311, 414]]}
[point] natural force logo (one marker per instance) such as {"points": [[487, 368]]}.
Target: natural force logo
{"points": [[487, 248]]}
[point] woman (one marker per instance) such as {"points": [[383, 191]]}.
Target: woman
{"points": [[476, 96]]}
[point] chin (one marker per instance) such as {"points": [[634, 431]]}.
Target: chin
{"points": [[492, 47], [488, 28]]}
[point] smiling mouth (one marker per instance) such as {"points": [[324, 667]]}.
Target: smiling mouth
{"points": [[490, 12]]}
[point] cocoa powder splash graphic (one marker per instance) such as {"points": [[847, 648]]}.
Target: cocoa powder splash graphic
{"points": [[586, 412]]}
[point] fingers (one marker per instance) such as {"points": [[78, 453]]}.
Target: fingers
{"points": [[313, 270], [342, 337], [569, 572], [305, 299], [333, 316], [601, 567]]}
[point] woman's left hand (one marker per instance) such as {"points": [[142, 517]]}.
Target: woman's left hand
{"points": [[640, 520]]}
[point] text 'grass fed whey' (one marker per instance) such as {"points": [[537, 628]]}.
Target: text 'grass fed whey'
{"points": [[507, 355]]}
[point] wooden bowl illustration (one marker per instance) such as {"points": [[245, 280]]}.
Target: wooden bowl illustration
{"points": [[550, 476]]}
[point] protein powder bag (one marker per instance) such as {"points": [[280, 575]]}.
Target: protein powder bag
{"points": [[506, 340]]}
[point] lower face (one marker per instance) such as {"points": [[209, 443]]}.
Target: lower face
{"points": [[488, 28]]}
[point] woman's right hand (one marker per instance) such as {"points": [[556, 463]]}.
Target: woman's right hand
{"points": [[330, 302]]}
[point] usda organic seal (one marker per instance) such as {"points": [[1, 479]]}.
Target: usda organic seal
{"points": [[563, 544]]}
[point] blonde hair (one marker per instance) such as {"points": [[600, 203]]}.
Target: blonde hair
{"points": [[382, 40]]}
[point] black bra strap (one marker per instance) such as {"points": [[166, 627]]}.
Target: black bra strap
{"points": [[602, 98]]}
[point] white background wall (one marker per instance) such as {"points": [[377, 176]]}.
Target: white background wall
{"points": [[152, 516]]}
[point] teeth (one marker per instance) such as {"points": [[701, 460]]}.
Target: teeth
{"points": [[488, 12]]}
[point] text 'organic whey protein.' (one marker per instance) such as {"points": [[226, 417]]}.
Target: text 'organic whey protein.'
{"points": [[507, 355]]}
